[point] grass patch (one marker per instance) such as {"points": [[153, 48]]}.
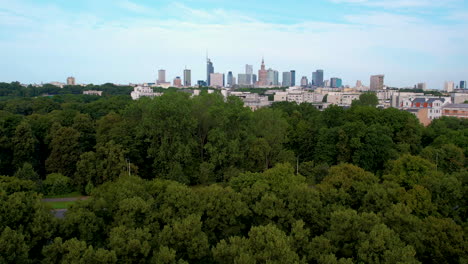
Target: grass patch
{"points": [[60, 205], [67, 195]]}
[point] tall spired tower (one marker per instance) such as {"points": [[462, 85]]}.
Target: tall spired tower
{"points": [[262, 75]]}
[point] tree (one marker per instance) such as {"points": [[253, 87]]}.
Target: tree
{"points": [[24, 145], [27, 172], [265, 244], [65, 151], [367, 99]]}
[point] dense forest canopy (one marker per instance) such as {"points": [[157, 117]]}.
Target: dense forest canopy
{"points": [[213, 182]]}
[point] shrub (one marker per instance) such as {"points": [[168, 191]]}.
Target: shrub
{"points": [[56, 184]]}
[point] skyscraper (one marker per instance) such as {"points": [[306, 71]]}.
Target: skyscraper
{"points": [[161, 76], [254, 78], [304, 81], [293, 78], [377, 82], [317, 78], [262, 75], [230, 79], [243, 79], [71, 81], [422, 86], [187, 78], [209, 71], [177, 82], [336, 82], [449, 86], [272, 77], [249, 72], [217, 80], [286, 79], [462, 84]]}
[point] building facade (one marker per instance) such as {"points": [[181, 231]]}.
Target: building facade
{"points": [[209, 71], [336, 82], [187, 78], [293, 78], [229, 79], [286, 79], [161, 76], [304, 81], [455, 110], [177, 82], [262, 75], [449, 87], [71, 81], [217, 80], [377, 82]]}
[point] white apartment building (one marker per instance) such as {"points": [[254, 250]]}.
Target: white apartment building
{"points": [[141, 91]]}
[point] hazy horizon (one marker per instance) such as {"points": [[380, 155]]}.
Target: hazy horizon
{"points": [[124, 41]]}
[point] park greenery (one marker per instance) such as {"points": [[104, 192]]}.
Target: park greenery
{"points": [[177, 179]]}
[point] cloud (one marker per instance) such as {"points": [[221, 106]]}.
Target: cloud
{"points": [[135, 8], [399, 3]]}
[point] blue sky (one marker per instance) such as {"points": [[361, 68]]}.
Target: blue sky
{"points": [[124, 41]]}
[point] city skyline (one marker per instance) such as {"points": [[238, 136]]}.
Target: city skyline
{"points": [[125, 41]]}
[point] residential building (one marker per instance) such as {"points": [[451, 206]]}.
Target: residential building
{"points": [[336, 82], [252, 100], [449, 87], [177, 82], [161, 76], [71, 81], [217, 80], [141, 91], [459, 97], [93, 92], [187, 78], [455, 110], [286, 79], [209, 71], [377, 82], [326, 83]]}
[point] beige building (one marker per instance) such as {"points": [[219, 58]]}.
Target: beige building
{"points": [[455, 110], [449, 87], [217, 80], [71, 81], [377, 82]]}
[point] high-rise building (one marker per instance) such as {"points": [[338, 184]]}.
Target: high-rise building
{"points": [[217, 80], [249, 72], [317, 78], [326, 83], [422, 86], [177, 82], [293, 78], [71, 81], [272, 77], [254, 78], [449, 87], [243, 79], [161, 76], [286, 79], [209, 71], [336, 82], [234, 81], [358, 84], [304, 81], [202, 83], [230, 79], [377, 82], [463, 85], [187, 78], [262, 75]]}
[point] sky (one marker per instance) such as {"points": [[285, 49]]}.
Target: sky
{"points": [[127, 41]]}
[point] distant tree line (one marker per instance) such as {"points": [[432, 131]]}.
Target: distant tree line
{"points": [[213, 182]]}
